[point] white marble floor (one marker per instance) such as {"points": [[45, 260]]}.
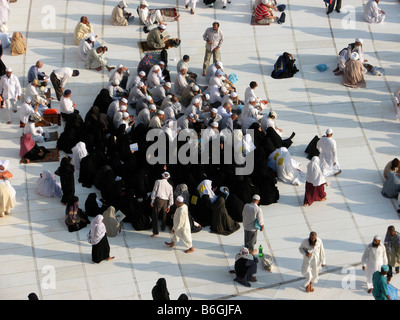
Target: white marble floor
{"points": [[35, 244]]}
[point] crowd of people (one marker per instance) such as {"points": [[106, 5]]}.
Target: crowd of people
{"points": [[189, 116]]}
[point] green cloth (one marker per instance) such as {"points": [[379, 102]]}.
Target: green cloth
{"points": [[155, 39], [380, 291]]}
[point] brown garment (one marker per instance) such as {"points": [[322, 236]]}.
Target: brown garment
{"points": [[18, 44], [354, 74]]}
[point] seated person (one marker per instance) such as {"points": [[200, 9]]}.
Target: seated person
{"points": [[392, 166], [95, 59], [75, 218], [284, 67], [18, 44], [67, 106], [354, 72], [263, 14], [85, 46], [119, 16], [83, 30], [151, 18], [245, 267], [37, 133], [155, 38], [372, 13], [29, 150]]}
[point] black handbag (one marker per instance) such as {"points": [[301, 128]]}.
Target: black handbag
{"points": [[282, 18]]}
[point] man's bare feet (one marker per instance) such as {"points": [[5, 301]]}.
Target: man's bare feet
{"points": [[170, 244], [154, 235], [110, 258]]}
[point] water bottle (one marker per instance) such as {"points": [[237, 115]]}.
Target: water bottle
{"points": [[260, 251]]}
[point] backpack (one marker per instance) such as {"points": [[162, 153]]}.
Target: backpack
{"points": [[267, 262]]}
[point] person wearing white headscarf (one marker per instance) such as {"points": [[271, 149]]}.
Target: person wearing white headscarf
{"points": [[353, 73], [48, 186], [98, 240], [245, 267], [372, 13], [315, 182], [345, 53], [181, 226], [113, 226], [327, 148], [78, 152], [287, 169], [205, 188], [373, 258]]}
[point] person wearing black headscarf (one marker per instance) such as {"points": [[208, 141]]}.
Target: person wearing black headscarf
{"points": [[160, 291], [221, 222], [66, 172]]}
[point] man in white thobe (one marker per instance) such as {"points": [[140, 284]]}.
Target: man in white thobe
{"points": [[85, 46], [372, 13], [372, 260], [10, 91], [313, 253], [150, 20], [181, 226], [326, 145], [180, 82], [95, 59]]}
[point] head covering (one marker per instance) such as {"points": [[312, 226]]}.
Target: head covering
{"points": [[28, 99], [92, 38], [111, 223], [123, 100], [160, 291], [168, 84], [27, 144], [47, 185], [76, 72], [123, 3], [116, 82], [123, 107], [179, 199], [385, 268], [125, 115], [8, 69], [165, 175], [97, 229], [314, 173], [152, 107], [36, 82], [219, 72], [160, 112], [234, 94], [256, 197], [329, 131], [219, 64], [359, 40], [79, 151], [195, 88], [273, 114], [144, 3], [207, 96], [163, 27], [252, 99], [149, 98], [214, 124], [191, 116], [197, 100], [214, 110], [140, 84], [354, 56], [142, 73], [377, 237], [224, 89], [244, 254], [161, 62]]}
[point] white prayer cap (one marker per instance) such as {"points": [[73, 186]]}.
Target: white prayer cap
{"points": [[142, 73], [123, 107], [168, 84], [120, 66], [163, 26], [144, 3], [28, 100], [123, 100], [179, 199], [207, 96], [354, 56], [152, 107], [197, 100], [234, 94], [8, 70], [273, 114], [160, 112], [256, 197], [214, 110], [156, 67], [162, 62], [252, 99], [214, 124], [219, 73], [377, 237], [149, 98], [219, 64], [359, 40], [224, 89], [264, 1], [191, 116], [92, 38], [125, 115], [116, 82], [123, 3], [195, 88], [329, 131], [169, 123], [140, 84], [166, 175]]}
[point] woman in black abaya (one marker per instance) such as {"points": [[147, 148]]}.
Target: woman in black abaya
{"points": [[66, 173]]}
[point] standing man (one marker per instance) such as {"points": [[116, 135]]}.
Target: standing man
{"points": [[59, 78], [313, 253], [392, 245], [214, 38], [162, 198], [181, 226], [252, 212], [10, 91], [328, 154], [380, 291], [373, 259], [336, 4], [67, 106]]}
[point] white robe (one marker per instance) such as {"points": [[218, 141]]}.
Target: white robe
{"points": [[181, 226], [4, 11], [205, 188], [372, 13], [373, 259], [328, 156], [312, 265], [287, 169], [78, 152]]}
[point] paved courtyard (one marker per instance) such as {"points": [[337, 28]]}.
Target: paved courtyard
{"points": [[35, 243]]}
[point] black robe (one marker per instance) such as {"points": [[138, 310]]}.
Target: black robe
{"points": [[66, 172], [221, 222]]}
